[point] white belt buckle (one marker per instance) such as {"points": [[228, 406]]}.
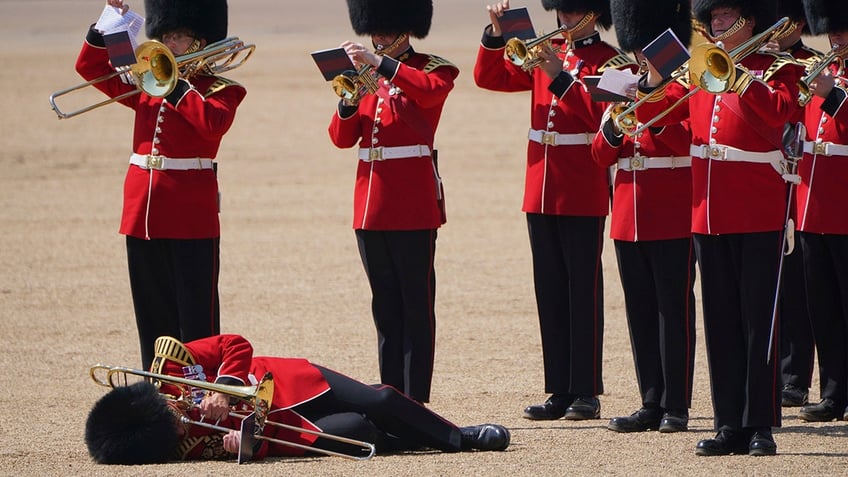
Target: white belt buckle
{"points": [[549, 138], [637, 163], [820, 148], [375, 154], [154, 162]]}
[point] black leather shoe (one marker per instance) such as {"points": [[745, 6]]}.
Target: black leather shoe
{"points": [[644, 419], [793, 396], [762, 443], [825, 411], [724, 443], [845, 415], [675, 421], [485, 437], [584, 407], [553, 408]]}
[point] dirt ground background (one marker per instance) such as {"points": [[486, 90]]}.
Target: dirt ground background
{"points": [[291, 280]]}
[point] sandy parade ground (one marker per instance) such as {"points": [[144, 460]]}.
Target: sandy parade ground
{"points": [[291, 279]]}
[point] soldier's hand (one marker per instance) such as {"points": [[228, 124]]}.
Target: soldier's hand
{"points": [[495, 12], [119, 4], [551, 63], [232, 442], [823, 84], [215, 406]]}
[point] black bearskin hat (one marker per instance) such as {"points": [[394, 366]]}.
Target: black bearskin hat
{"points": [[762, 11], [826, 16], [131, 425], [794, 9], [207, 19], [370, 17], [600, 7], [638, 22]]}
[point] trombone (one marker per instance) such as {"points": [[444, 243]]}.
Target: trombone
{"points": [[156, 70], [259, 397], [814, 70], [710, 68]]}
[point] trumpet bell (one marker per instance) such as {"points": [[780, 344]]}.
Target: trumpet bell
{"points": [[711, 68], [345, 87], [516, 51]]}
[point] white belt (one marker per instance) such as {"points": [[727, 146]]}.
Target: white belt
{"points": [[727, 153], [553, 138], [149, 161], [825, 149], [382, 153], [640, 163]]}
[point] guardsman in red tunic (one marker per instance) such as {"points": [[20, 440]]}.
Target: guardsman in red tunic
{"points": [[170, 211], [651, 230], [822, 220], [566, 196], [796, 333], [398, 204], [130, 426], [738, 215]]}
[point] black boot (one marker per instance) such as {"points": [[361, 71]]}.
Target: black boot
{"points": [[645, 419], [486, 437]]}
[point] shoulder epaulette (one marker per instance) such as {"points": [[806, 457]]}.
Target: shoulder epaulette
{"points": [[617, 61], [435, 62], [219, 84], [780, 60], [683, 80]]}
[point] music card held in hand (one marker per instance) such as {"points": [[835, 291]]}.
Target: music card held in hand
{"points": [[120, 48], [619, 82], [332, 62], [601, 95], [516, 23], [666, 53]]}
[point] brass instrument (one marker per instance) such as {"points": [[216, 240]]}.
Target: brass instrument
{"points": [[710, 68], [525, 53], [259, 397], [157, 71], [353, 85], [815, 69]]}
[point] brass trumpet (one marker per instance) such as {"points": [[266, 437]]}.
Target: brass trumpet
{"points": [[710, 69], [353, 85], [814, 70], [156, 70], [525, 53], [259, 397]]}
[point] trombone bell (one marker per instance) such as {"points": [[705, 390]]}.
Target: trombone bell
{"points": [[711, 68]]}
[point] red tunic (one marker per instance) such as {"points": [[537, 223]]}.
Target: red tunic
{"points": [[823, 191], [736, 196], [182, 204], [231, 356], [654, 203], [559, 180], [404, 193]]}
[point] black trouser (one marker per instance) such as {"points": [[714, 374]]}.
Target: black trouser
{"points": [[569, 285], [826, 274], [738, 282], [658, 278], [402, 276], [796, 331], [174, 286], [392, 420]]}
